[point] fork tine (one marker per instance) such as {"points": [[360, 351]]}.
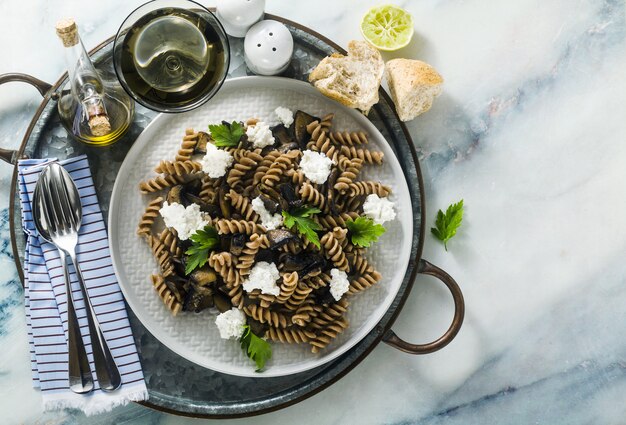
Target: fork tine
{"points": [[63, 222], [46, 205], [64, 200]]}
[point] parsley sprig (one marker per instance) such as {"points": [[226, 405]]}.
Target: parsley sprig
{"points": [[300, 217], [448, 223], [363, 231], [201, 243], [259, 350], [226, 135]]}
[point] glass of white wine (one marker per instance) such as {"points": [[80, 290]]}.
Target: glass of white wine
{"points": [[171, 55]]}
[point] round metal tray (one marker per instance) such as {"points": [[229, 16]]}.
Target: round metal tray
{"points": [[175, 384]]}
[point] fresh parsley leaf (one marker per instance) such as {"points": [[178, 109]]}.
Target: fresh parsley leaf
{"points": [[226, 135], [259, 350], [448, 223], [300, 218], [363, 231], [201, 243]]}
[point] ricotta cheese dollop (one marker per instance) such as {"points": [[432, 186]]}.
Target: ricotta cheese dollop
{"points": [[284, 115], [216, 161], [263, 276], [316, 166], [339, 283], [186, 221], [378, 209], [260, 135], [269, 221], [231, 323]]}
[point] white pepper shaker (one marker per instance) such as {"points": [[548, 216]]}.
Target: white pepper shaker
{"points": [[268, 48], [237, 16]]}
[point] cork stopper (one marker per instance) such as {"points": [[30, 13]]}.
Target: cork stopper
{"points": [[67, 32], [100, 125]]}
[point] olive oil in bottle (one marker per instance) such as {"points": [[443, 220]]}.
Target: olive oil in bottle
{"points": [[172, 57], [94, 110]]}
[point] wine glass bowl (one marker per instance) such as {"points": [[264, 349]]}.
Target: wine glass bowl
{"points": [[171, 55]]}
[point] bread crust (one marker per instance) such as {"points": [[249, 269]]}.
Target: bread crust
{"points": [[352, 80], [413, 85]]}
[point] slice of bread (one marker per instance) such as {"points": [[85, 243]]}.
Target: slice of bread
{"points": [[352, 80], [413, 85]]}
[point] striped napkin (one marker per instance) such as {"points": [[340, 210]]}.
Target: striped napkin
{"points": [[46, 302]]}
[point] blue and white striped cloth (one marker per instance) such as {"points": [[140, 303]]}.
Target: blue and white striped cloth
{"points": [[46, 302]]}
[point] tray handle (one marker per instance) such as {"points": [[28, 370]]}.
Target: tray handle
{"points": [[8, 155], [390, 338]]}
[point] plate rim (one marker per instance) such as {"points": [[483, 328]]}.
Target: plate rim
{"points": [[161, 119]]}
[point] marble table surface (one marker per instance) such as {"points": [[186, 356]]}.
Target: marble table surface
{"points": [[530, 131]]}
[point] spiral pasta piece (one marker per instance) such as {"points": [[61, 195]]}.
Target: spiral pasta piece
{"points": [[368, 188], [243, 205], [162, 255], [248, 254], [149, 216], [187, 146], [288, 287], [299, 295], [246, 163], [339, 220], [349, 138], [312, 196], [179, 168], [351, 169], [328, 334], [170, 301], [169, 239], [277, 170], [226, 265], [332, 250], [208, 191], [316, 282], [265, 315], [359, 264], [264, 165], [226, 226], [363, 282], [160, 182], [290, 335], [296, 177], [366, 155], [305, 313]]}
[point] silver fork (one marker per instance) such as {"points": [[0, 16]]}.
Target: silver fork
{"points": [[79, 372], [64, 200]]}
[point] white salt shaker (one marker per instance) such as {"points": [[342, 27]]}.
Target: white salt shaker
{"points": [[237, 16], [268, 48]]}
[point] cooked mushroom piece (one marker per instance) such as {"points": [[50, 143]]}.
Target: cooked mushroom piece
{"points": [[257, 327], [175, 194], [198, 298], [281, 135], [203, 139], [222, 302], [204, 206], [237, 243], [288, 147], [323, 296], [303, 263], [225, 206], [301, 120], [203, 276], [328, 187], [280, 237], [288, 194], [270, 205], [267, 255]]}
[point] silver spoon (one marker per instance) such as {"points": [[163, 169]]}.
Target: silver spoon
{"points": [[64, 201]]}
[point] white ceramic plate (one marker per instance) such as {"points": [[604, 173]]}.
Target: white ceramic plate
{"points": [[195, 336]]}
